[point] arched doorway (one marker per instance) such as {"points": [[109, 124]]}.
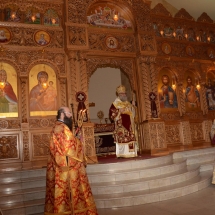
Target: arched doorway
{"points": [[102, 90]]}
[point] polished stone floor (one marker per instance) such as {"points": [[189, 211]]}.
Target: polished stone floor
{"points": [[199, 203]]}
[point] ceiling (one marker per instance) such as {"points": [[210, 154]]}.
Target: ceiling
{"points": [[195, 7]]}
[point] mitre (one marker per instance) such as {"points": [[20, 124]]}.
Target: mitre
{"points": [[120, 89]]}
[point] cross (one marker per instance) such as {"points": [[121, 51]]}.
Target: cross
{"points": [[81, 97], [152, 97]]}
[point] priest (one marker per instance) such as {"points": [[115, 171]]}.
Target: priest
{"points": [[122, 112]]}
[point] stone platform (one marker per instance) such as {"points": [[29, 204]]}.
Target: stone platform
{"points": [[119, 184]]}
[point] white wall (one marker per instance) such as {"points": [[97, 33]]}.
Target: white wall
{"points": [[102, 90]]}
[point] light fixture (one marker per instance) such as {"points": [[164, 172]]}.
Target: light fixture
{"points": [[209, 39], [186, 36], [174, 34], [173, 86], [13, 15], [116, 17], [198, 86], [33, 18], [197, 38], [53, 21], [161, 32]]}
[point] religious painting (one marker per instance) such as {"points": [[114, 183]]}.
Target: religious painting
{"points": [[155, 27], [32, 16], [166, 48], [191, 91], [191, 35], [211, 53], [179, 33], [202, 36], [42, 91], [12, 14], [211, 37], [42, 38], [168, 32], [5, 35], [51, 18], [210, 90], [167, 90], [8, 91], [190, 51], [111, 42], [109, 16]]}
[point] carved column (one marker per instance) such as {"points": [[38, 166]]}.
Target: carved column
{"points": [[146, 85], [73, 80], [155, 137], [181, 99], [154, 81], [83, 77], [89, 142], [206, 124], [203, 99], [185, 133], [63, 92], [24, 97]]}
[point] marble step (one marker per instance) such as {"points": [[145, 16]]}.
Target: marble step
{"points": [[120, 200], [25, 183], [154, 195], [32, 207], [133, 174], [193, 153], [35, 192], [10, 176], [21, 195], [200, 159], [129, 165], [144, 184]]}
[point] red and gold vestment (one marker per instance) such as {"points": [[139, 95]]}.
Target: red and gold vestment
{"points": [[67, 188]]}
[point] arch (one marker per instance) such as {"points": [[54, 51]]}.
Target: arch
{"points": [[47, 62], [125, 65], [55, 19], [12, 63]]}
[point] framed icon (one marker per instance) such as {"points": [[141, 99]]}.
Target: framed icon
{"points": [[190, 51], [5, 35], [111, 42], [166, 48], [42, 38], [211, 53]]}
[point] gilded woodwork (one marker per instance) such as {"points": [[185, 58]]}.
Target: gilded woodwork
{"points": [[26, 149], [9, 147], [185, 133], [172, 134], [40, 144], [196, 132]]}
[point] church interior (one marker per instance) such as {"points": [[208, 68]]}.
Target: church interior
{"points": [[76, 53]]}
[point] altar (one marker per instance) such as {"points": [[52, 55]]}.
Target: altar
{"points": [[104, 141]]}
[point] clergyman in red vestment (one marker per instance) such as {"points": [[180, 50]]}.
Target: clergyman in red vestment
{"points": [[67, 188], [122, 112]]}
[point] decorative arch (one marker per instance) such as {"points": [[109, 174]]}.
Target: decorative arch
{"points": [[125, 65], [12, 63], [47, 62]]}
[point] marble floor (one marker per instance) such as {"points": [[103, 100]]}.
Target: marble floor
{"points": [[199, 203]]}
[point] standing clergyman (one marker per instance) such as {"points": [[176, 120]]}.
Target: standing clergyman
{"points": [[67, 187], [123, 113]]}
